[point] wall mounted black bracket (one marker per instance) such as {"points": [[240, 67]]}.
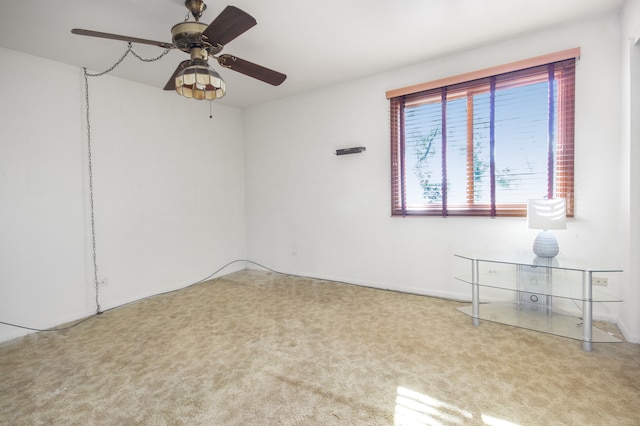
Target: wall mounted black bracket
{"points": [[354, 150]]}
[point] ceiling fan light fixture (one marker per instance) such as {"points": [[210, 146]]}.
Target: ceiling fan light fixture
{"points": [[200, 81], [193, 78]]}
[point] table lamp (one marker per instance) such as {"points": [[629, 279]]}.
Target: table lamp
{"points": [[546, 214]]}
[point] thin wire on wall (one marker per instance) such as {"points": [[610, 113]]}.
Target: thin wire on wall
{"points": [[200, 281]]}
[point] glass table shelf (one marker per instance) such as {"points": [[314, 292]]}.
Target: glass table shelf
{"points": [[556, 322], [565, 288], [537, 286], [527, 259]]}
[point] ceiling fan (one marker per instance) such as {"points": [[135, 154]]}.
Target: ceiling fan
{"points": [[194, 78]]}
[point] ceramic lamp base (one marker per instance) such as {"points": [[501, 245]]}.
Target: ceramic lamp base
{"points": [[545, 245]]}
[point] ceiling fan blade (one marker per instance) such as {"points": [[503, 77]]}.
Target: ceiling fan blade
{"points": [[99, 34], [171, 84], [252, 70], [228, 25]]}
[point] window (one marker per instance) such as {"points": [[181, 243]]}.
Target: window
{"points": [[483, 143]]}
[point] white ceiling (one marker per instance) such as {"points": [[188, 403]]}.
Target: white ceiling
{"points": [[315, 42]]}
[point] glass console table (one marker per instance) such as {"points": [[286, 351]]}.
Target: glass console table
{"points": [[537, 294]]}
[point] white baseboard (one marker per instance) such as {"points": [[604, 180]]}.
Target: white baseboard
{"points": [[628, 336]]}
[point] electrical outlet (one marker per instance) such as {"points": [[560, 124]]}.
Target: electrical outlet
{"points": [[600, 281], [103, 282]]}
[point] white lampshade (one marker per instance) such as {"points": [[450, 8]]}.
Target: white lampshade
{"points": [[547, 213]]}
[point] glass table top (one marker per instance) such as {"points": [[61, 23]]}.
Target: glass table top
{"points": [[530, 259]]}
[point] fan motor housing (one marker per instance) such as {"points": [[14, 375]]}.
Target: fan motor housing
{"points": [[187, 35]]}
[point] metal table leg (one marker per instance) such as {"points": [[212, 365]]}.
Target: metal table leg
{"points": [[475, 292], [587, 304]]}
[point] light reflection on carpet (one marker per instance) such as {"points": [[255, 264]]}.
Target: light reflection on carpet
{"points": [[417, 409]]}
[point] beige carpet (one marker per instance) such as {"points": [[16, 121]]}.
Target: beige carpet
{"points": [[258, 348]]}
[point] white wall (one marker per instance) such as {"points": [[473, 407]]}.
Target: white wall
{"points": [[168, 182], [630, 162], [310, 212], [169, 185]]}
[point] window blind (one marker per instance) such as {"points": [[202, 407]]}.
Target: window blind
{"points": [[485, 146]]}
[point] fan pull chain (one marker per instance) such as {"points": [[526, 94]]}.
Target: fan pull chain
{"points": [[210, 109], [151, 59], [93, 222], [86, 75]]}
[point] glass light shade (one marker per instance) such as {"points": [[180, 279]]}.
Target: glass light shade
{"points": [[199, 81]]}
